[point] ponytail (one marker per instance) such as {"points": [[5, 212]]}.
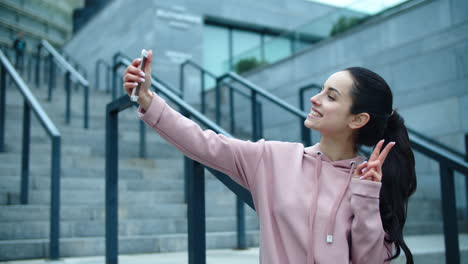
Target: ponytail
{"points": [[371, 94], [398, 183]]}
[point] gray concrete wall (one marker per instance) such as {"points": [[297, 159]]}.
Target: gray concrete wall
{"points": [[174, 30], [421, 52]]}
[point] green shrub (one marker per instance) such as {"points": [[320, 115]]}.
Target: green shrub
{"points": [[345, 23], [247, 64]]}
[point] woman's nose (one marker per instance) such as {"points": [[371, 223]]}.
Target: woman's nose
{"points": [[315, 100]]}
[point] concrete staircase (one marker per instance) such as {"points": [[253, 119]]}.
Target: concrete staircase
{"points": [[152, 212]]}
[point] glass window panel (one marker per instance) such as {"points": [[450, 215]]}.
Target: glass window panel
{"points": [[215, 51], [276, 48], [245, 45]]}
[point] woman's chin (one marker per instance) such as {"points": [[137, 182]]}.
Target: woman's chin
{"points": [[310, 124]]}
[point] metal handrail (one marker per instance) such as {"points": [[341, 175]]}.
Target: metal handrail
{"points": [[257, 120], [232, 90], [256, 90], [108, 71], [79, 68], [31, 104], [196, 209], [71, 75]]}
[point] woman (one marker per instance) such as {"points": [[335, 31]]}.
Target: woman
{"points": [[318, 204]]}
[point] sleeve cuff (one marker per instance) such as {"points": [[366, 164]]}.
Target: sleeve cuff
{"points": [[154, 111], [365, 188]]}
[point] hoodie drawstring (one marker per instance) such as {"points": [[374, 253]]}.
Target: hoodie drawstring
{"points": [[313, 209], [331, 225]]}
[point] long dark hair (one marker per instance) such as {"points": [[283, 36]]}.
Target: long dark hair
{"points": [[371, 94]]}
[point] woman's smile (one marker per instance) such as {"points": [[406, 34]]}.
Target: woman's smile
{"points": [[314, 114]]}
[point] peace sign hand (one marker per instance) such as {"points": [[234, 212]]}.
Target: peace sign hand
{"points": [[372, 169]]}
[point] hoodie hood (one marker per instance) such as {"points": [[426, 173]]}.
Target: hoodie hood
{"points": [[344, 165]]}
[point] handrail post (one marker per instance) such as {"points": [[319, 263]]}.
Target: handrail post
{"points": [[449, 214], [231, 111], [218, 102], [114, 82], [112, 187], [142, 139], [466, 176], [108, 77], [96, 73], [259, 121], [68, 97], [254, 107], [38, 62], [2, 107], [30, 62], [202, 94], [196, 212], [45, 69], [86, 106], [181, 78], [51, 77], [24, 194], [55, 199]]}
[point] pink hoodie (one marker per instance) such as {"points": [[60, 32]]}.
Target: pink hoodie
{"points": [[311, 209]]}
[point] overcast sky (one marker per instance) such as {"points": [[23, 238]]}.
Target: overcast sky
{"points": [[367, 6]]}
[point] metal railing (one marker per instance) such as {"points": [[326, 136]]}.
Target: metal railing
{"points": [[79, 68], [31, 104], [255, 92], [240, 212], [193, 170], [232, 90], [448, 163], [71, 75], [108, 74]]}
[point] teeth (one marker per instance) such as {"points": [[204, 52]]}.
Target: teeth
{"points": [[315, 113]]}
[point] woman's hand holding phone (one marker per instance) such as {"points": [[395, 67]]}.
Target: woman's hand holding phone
{"points": [[133, 76]]}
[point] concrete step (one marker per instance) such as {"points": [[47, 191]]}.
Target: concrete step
{"points": [[13, 170], [431, 227], [97, 197], [127, 197], [76, 212], [430, 249], [93, 246], [130, 227]]}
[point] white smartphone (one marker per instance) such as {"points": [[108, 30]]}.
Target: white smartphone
{"points": [[136, 90]]}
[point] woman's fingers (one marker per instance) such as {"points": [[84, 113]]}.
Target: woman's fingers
{"points": [[366, 166], [372, 175], [360, 167], [376, 152], [385, 152], [129, 87], [131, 70], [133, 75], [136, 62], [133, 78]]}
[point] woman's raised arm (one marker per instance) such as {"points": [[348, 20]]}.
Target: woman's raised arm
{"points": [[236, 158]]}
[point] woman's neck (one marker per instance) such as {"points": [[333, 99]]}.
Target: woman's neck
{"points": [[337, 148]]}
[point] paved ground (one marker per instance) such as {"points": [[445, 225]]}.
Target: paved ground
{"points": [[427, 249], [224, 256]]}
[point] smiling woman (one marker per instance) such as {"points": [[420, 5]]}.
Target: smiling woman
{"points": [[320, 203]]}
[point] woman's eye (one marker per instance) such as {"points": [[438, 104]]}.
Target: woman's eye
{"points": [[331, 98]]}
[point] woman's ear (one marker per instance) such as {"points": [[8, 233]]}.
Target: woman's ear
{"points": [[359, 120]]}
